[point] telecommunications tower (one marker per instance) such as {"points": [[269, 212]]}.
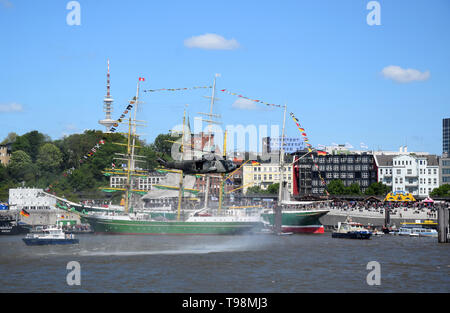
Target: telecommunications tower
{"points": [[107, 105]]}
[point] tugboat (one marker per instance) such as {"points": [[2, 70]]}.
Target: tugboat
{"points": [[10, 225], [351, 230], [53, 235]]}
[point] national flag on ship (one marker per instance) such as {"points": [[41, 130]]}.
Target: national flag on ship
{"points": [[319, 152], [141, 79], [255, 163], [24, 213]]}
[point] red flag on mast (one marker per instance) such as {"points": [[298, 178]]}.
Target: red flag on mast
{"points": [[141, 79]]}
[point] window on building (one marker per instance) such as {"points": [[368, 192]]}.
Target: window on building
{"points": [[399, 171], [409, 171]]}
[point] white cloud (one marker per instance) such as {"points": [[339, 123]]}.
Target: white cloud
{"points": [[11, 107], [211, 42], [348, 145], [245, 104], [401, 75]]}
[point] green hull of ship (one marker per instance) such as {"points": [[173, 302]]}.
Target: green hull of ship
{"points": [[298, 221], [127, 227]]}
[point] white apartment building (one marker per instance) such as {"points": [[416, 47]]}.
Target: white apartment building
{"points": [[409, 172], [264, 175]]}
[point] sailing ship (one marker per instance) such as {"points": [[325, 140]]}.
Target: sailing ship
{"points": [[191, 222], [292, 218]]}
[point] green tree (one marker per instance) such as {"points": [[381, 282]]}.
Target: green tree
{"points": [[163, 144], [377, 189], [353, 189], [10, 138], [336, 187], [273, 189], [442, 191], [21, 166], [255, 190], [30, 143], [49, 158]]}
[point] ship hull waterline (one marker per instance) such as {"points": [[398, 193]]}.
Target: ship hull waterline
{"points": [[132, 227], [299, 222]]}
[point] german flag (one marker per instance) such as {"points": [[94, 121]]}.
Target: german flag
{"points": [[321, 152], [24, 213], [255, 163]]}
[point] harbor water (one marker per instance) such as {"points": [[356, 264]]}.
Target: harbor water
{"points": [[227, 264]]}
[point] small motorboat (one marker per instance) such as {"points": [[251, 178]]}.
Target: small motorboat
{"points": [[351, 230], [53, 235]]}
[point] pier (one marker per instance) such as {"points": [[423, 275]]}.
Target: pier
{"points": [[443, 225]]}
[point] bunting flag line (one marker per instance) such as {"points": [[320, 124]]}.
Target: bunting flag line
{"points": [[123, 115], [254, 100], [305, 138], [177, 89], [302, 131], [99, 144]]}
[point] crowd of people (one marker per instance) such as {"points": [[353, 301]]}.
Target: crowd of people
{"points": [[374, 208]]}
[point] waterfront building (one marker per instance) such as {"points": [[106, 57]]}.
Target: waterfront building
{"points": [[414, 173], [446, 136], [444, 170], [264, 175], [311, 170], [5, 154], [30, 199]]}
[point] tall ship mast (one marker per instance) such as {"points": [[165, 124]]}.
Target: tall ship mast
{"points": [[132, 221], [287, 215], [210, 121]]}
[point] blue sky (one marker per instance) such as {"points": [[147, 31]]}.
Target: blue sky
{"points": [[346, 81]]}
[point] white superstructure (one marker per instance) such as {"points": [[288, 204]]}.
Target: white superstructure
{"points": [[30, 199]]}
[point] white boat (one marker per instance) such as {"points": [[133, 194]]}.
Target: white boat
{"points": [[52, 235], [417, 232], [351, 230]]}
